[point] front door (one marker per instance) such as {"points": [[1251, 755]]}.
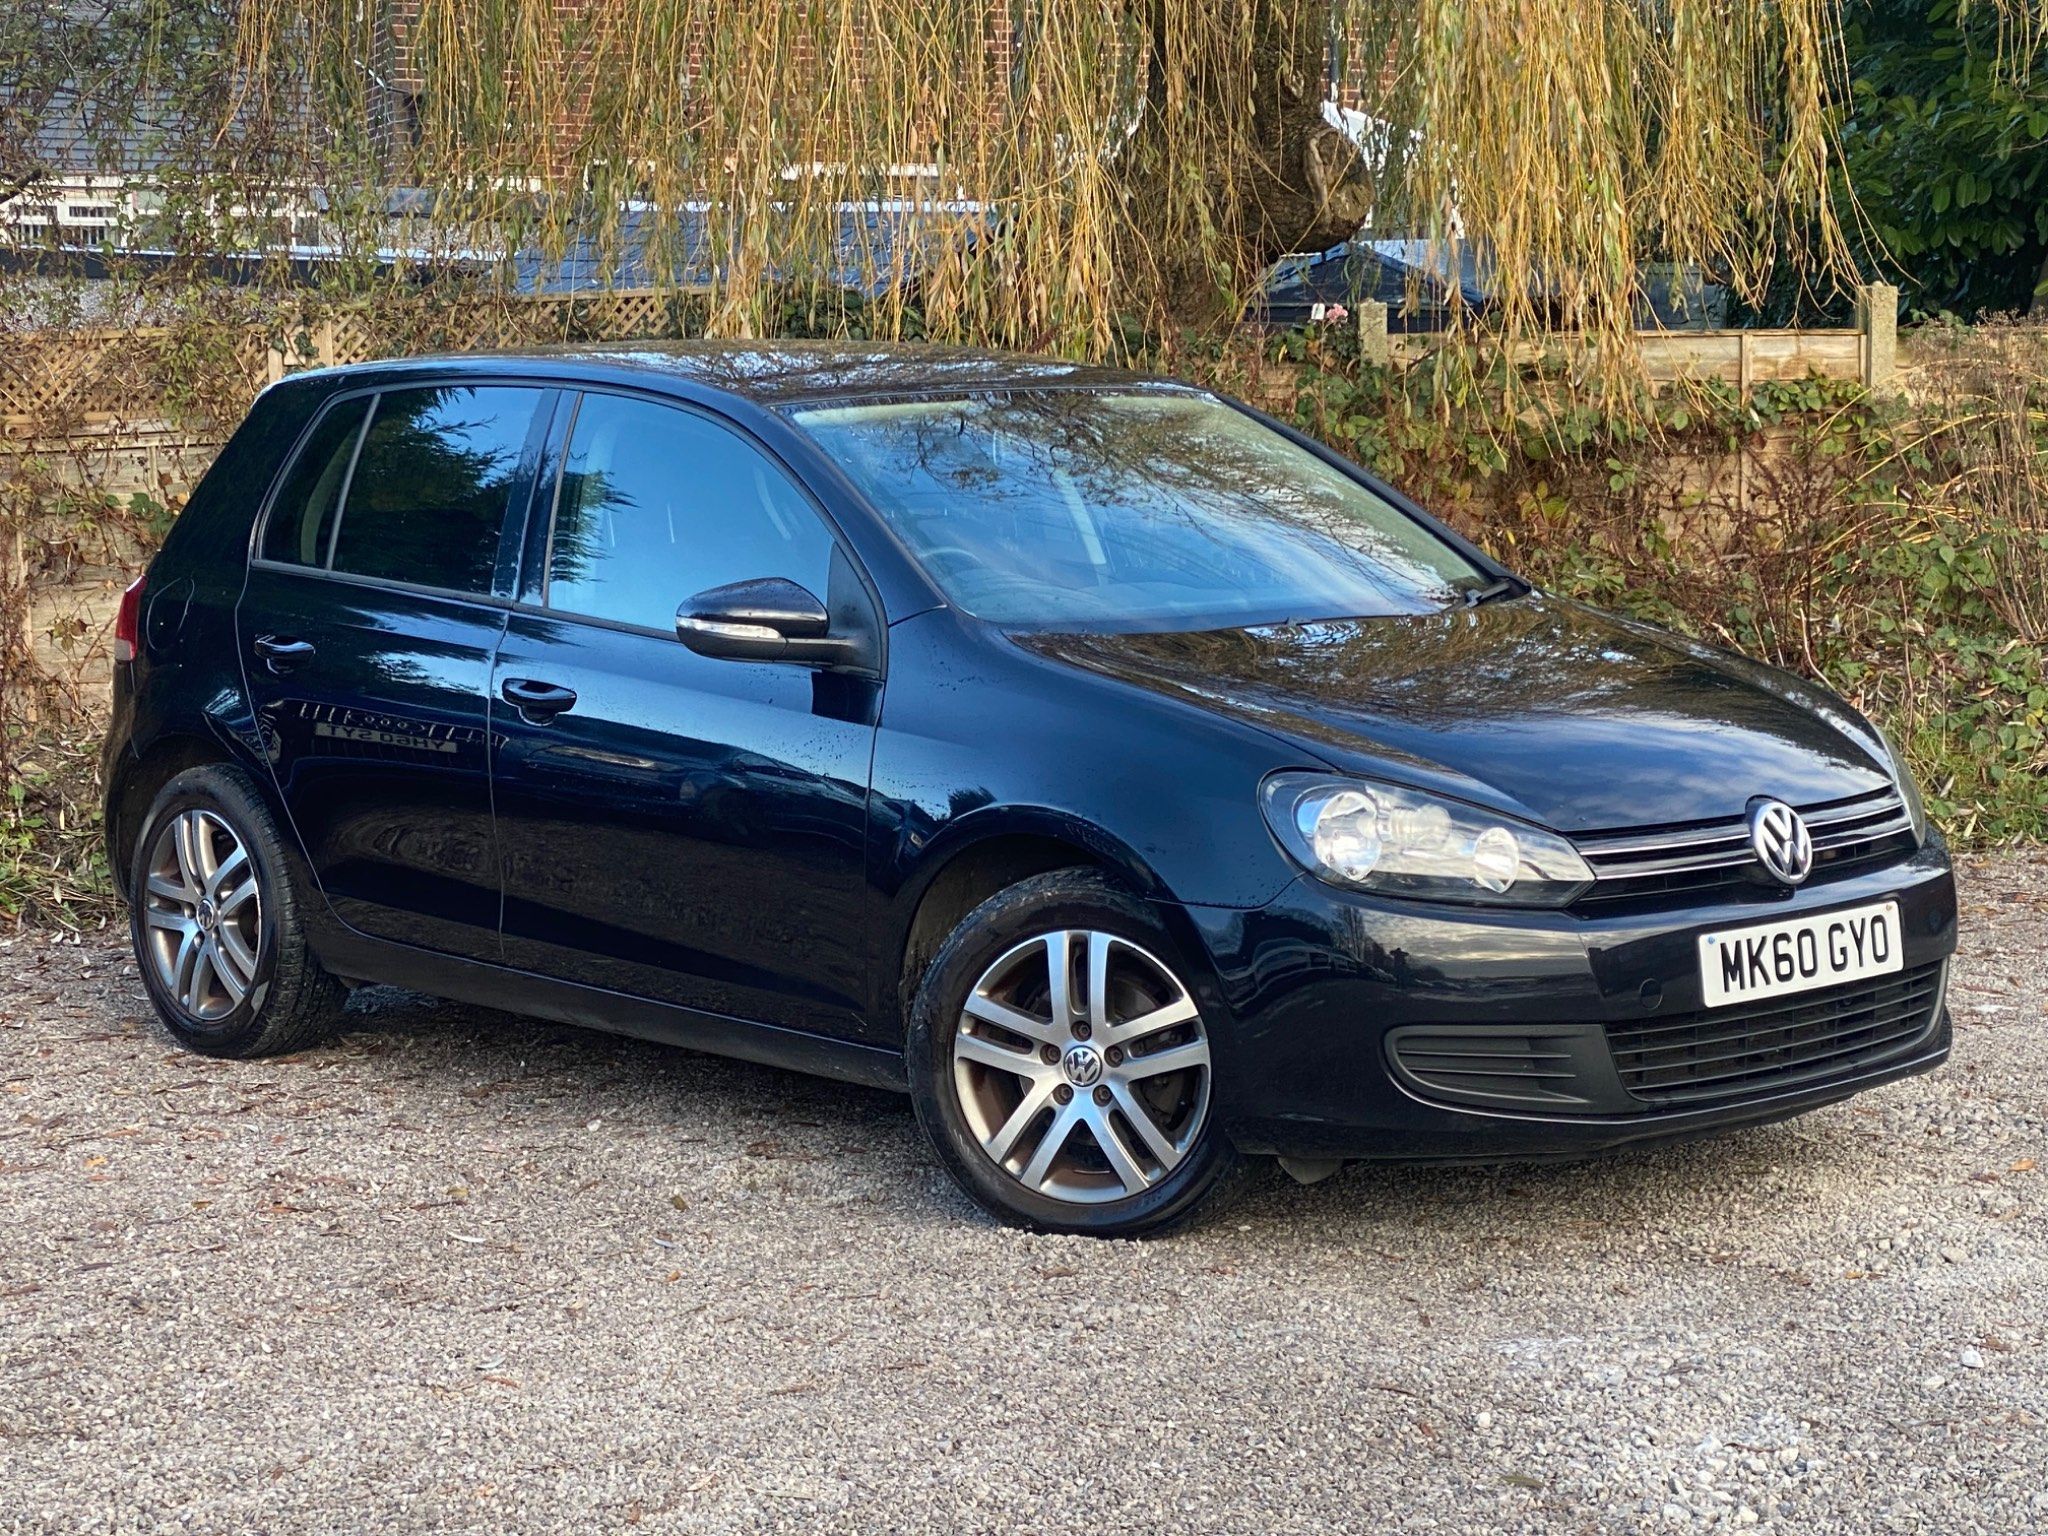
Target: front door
{"points": [[673, 826], [367, 630]]}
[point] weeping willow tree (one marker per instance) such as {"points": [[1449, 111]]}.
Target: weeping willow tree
{"points": [[1084, 160]]}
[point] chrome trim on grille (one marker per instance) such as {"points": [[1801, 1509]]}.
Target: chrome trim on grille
{"points": [[1841, 829]]}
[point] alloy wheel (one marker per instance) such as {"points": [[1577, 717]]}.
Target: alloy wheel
{"points": [[1081, 1065], [202, 914]]}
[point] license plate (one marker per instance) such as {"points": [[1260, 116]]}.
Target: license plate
{"points": [[1773, 959]]}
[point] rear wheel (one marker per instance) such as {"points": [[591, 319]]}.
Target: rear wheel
{"points": [[215, 922], [1061, 1065]]}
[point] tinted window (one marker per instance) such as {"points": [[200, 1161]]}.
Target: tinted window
{"points": [[302, 517], [431, 486], [1160, 510], [658, 504]]}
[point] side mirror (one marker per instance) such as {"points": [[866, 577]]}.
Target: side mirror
{"points": [[770, 619]]}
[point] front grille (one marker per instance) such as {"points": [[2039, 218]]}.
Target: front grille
{"points": [[1733, 1053], [1848, 835]]}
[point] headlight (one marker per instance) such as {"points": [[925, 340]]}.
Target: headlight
{"points": [[1381, 837], [1902, 777]]}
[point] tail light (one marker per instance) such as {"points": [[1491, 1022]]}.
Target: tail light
{"points": [[128, 622]]}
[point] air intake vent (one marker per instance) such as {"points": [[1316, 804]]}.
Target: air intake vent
{"points": [[1562, 1068]]}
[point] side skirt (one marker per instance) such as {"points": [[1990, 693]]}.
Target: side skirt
{"points": [[360, 958]]}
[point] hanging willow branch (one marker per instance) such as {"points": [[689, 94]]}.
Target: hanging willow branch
{"points": [[1091, 162]]}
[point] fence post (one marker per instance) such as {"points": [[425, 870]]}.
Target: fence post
{"points": [[1877, 317], [1373, 346]]}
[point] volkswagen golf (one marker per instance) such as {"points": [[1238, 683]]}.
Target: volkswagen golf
{"points": [[1133, 781]]}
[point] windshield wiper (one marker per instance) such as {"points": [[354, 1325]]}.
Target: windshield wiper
{"points": [[1502, 586]]}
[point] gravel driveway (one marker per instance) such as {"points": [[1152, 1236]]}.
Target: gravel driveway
{"points": [[460, 1272]]}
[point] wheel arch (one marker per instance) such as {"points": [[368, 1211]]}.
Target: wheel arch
{"points": [[148, 770], [962, 871]]}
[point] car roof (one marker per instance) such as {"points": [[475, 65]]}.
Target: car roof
{"points": [[781, 373]]}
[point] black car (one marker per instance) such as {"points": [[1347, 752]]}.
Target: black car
{"points": [[1133, 780]]}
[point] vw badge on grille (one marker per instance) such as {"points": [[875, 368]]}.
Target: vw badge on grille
{"points": [[1781, 841]]}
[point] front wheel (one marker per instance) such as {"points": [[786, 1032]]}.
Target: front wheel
{"points": [[1061, 1066]]}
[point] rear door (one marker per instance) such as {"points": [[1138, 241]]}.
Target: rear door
{"points": [[674, 826], [376, 598]]}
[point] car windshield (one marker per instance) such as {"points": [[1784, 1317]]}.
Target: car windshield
{"points": [[1135, 510]]}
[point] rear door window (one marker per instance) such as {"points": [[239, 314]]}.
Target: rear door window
{"points": [[432, 484]]}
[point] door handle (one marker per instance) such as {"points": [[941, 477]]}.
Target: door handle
{"points": [[537, 701], [282, 654]]}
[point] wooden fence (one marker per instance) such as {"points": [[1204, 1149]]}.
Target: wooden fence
{"points": [[61, 382], [1868, 353]]}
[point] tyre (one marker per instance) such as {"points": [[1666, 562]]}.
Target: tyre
{"points": [[1059, 1063], [215, 922]]}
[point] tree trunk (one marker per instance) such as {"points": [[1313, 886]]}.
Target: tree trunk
{"points": [[1311, 187], [1270, 169]]}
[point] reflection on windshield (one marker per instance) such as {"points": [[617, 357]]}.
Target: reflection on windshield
{"points": [[1132, 511]]}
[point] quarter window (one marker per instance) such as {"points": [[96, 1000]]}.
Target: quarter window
{"points": [[302, 517], [658, 504], [431, 486]]}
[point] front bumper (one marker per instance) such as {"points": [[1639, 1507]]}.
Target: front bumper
{"points": [[1319, 990]]}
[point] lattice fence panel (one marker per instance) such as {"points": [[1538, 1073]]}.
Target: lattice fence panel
{"points": [[49, 382], [53, 381]]}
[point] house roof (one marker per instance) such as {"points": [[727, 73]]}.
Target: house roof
{"points": [[874, 245], [73, 144]]}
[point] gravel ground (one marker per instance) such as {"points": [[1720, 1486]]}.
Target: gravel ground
{"points": [[461, 1272]]}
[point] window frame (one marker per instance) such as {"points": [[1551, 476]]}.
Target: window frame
{"points": [[548, 394], [537, 547]]}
